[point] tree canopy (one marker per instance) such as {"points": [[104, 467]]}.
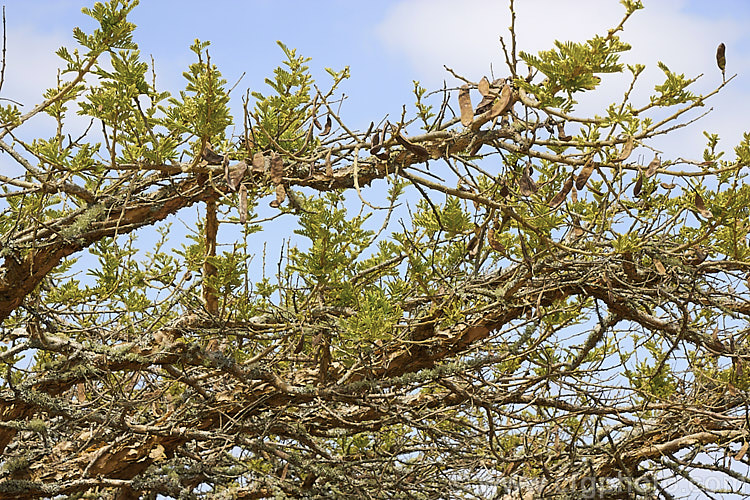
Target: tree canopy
{"points": [[522, 307]]}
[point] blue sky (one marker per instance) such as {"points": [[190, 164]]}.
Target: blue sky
{"points": [[390, 43]]}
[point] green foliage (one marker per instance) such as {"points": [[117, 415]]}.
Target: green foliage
{"points": [[572, 68], [284, 116], [424, 111], [674, 89], [376, 316], [202, 110], [336, 242]]}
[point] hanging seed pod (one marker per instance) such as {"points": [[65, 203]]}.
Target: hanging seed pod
{"points": [[327, 128], [259, 163], [235, 175], [484, 86], [464, 103], [585, 173], [653, 166], [721, 60], [638, 185], [503, 103], [416, 149], [280, 196], [627, 148], [493, 242], [561, 132], [243, 204], [560, 197], [329, 165], [700, 206], [526, 185], [277, 168]]}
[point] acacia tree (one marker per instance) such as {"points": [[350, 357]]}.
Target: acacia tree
{"points": [[564, 322]]}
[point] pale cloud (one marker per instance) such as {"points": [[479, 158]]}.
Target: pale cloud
{"points": [[465, 37], [31, 65]]}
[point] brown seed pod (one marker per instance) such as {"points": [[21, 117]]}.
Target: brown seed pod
{"points": [[627, 148], [259, 163], [660, 267], [638, 185], [526, 185], [327, 128], [484, 86], [653, 166], [277, 168], [236, 174], [493, 242], [503, 103], [585, 173], [464, 103], [721, 59], [416, 149], [280, 196], [243, 204], [700, 206], [560, 197], [329, 165], [561, 132]]}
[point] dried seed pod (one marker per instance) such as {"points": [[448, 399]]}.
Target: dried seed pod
{"points": [[225, 166], [695, 256], [259, 163], [653, 166], [503, 104], [327, 128], [561, 132], [660, 267], [627, 148], [700, 206], [375, 140], [464, 103], [526, 185], [577, 228], [560, 197], [638, 185], [236, 174], [243, 204], [277, 168], [210, 156], [280, 196], [585, 173], [743, 451], [384, 156], [329, 165], [721, 59], [484, 86], [628, 265], [485, 104], [416, 149], [493, 242]]}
